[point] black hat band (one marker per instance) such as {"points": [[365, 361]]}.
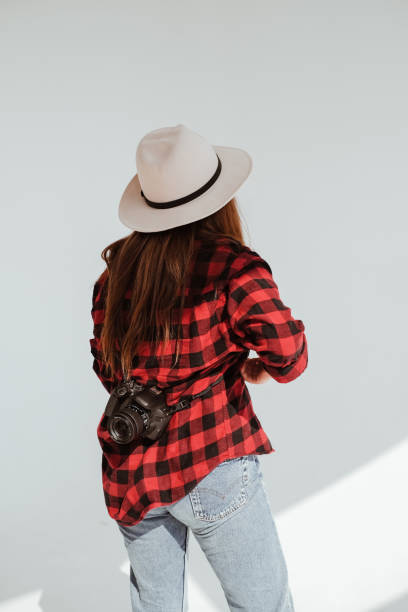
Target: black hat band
{"points": [[186, 198]]}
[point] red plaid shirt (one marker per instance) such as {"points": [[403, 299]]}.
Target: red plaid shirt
{"points": [[232, 306]]}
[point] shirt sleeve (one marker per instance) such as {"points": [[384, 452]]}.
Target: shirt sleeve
{"points": [[97, 313], [260, 321]]}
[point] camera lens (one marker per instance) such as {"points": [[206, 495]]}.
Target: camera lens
{"points": [[125, 428]]}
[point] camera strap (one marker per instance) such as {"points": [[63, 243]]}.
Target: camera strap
{"points": [[185, 403]]}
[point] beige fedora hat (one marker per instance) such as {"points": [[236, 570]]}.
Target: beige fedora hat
{"points": [[180, 178]]}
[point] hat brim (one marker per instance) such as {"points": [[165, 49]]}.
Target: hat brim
{"points": [[135, 213]]}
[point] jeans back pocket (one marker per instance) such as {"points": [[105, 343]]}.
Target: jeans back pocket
{"points": [[222, 491]]}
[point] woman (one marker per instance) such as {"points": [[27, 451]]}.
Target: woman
{"points": [[179, 306]]}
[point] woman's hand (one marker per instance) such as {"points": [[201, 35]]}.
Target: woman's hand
{"points": [[254, 372]]}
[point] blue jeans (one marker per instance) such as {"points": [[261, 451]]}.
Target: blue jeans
{"points": [[230, 516]]}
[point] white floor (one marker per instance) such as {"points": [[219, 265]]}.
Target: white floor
{"points": [[346, 547]]}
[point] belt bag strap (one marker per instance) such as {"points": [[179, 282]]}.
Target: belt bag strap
{"points": [[185, 403]]}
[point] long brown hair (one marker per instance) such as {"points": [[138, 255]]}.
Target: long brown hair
{"points": [[154, 267]]}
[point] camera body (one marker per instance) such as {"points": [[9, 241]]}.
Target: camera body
{"points": [[136, 411]]}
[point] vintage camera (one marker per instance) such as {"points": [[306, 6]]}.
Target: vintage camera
{"points": [[136, 411]]}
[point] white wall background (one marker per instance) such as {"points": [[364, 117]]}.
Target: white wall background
{"points": [[317, 93]]}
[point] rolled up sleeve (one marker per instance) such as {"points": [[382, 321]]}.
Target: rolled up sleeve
{"points": [[260, 321]]}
